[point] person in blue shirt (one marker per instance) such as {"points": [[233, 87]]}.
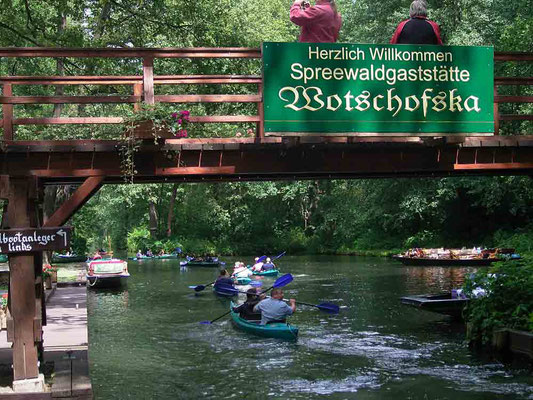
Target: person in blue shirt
{"points": [[224, 279], [274, 309], [268, 266]]}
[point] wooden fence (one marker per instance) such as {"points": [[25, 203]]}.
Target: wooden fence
{"points": [[142, 87]]}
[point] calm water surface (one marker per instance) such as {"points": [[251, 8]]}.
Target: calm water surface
{"points": [[146, 342]]}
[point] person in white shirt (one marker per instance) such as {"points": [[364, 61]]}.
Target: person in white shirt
{"points": [[258, 266], [240, 271]]}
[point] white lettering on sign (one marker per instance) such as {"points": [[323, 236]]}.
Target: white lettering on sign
{"points": [[21, 241], [314, 100], [442, 73]]}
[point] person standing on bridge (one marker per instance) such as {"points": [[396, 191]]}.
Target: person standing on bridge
{"points": [[320, 23], [418, 29]]}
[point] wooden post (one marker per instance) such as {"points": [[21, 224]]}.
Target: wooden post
{"points": [[148, 80], [7, 110], [22, 305], [496, 113], [137, 91]]}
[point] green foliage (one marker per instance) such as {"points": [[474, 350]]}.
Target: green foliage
{"points": [[508, 303], [307, 216]]}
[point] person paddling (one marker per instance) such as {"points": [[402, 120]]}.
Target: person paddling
{"points": [[268, 266], [240, 271], [274, 309], [257, 266], [223, 279], [246, 309]]}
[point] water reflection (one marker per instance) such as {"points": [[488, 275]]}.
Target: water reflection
{"points": [[146, 341]]}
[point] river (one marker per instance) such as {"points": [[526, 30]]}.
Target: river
{"points": [[146, 341]]}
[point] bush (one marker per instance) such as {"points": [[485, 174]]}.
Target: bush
{"points": [[508, 303]]}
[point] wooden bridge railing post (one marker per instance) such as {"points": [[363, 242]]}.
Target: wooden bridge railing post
{"points": [[148, 80], [137, 91], [7, 110]]}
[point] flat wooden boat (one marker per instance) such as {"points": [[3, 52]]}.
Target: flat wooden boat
{"points": [[437, 262], [438, 303]]}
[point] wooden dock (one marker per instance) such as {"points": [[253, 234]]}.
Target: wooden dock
{"points": [[65, 347]]}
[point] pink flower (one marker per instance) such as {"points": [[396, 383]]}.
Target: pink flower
{"points": [[174, 115], [185, 113], [180, 121]]}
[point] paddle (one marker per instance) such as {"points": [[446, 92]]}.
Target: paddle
{"points": [[199, 288], [279, 256], [280, 282], [330, 308]]}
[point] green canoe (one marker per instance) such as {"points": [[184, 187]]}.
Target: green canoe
{"points": [[242, 281], [3, 258], [272, 272], [277, 330]]}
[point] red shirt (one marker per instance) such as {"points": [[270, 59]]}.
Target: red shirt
{"points": [[319, 23]]}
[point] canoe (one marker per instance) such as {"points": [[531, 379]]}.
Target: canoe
{"points": [[166, 257], [223, 293], [193, 263], [272, 272], [242, 281], [62, 258], [3, 258], [438, 303], [278, 330]]}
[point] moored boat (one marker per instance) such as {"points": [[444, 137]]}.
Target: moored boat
{"points": [[107, 273], [272, 272], [71, 258], [430, 261], [438, 303], [279, 330], [475, 257]]}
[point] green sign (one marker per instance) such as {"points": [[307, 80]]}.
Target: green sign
{"points": [[388, 89]]}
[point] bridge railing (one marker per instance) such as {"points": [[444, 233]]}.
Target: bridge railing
{"points": [[143, 86]]}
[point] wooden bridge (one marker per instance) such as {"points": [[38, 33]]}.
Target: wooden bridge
{"points": [[27, 163]]}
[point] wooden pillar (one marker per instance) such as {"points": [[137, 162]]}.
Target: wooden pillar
{"points": [[22, 282], [148, 80], [7, 110], [137, 91]]}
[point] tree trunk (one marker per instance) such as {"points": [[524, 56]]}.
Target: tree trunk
{"points": [[153, 219], [171, 209]]}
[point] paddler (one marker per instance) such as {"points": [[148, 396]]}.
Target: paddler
{"points": [[246, 309], [274, 309], [257, 266], [240, 271], [268, 266], [223, 279]]}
